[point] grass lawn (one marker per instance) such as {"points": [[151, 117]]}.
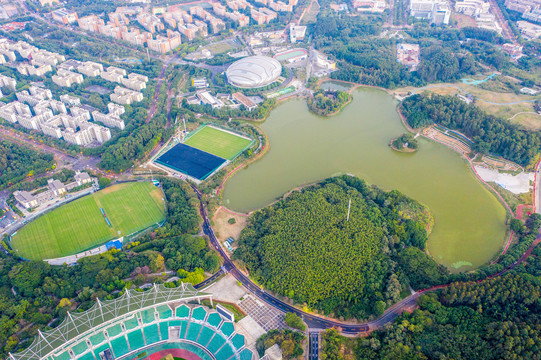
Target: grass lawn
{"points": [[79, 225], [218, 142]]}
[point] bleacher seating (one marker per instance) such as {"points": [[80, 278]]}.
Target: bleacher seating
{"points": [[199, 328]]}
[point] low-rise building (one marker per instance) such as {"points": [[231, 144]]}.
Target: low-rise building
{"points": [[54, 190], [408, 54], [296, 32], [246, 102], [208, 99], [528, 30], [436, 11]]}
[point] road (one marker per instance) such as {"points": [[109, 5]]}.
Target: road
{"points": [[537, 189], [152, 110], [506, 30], [313, 345], [319, 322]]}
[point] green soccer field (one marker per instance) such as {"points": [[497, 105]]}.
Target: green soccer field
{"points": [[218, 142], [80, 225]]}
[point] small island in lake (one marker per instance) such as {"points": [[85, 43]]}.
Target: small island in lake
{"points": [[404, 143], [328, 102]]}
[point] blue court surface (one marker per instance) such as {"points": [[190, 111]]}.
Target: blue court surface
{"points": [[191, 161]]}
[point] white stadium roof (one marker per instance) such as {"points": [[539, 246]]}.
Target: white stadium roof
{"points": [[253, 71]]}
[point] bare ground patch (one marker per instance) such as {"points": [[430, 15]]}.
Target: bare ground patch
{"points": [[223, 228]]}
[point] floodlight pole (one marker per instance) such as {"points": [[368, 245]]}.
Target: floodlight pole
{"points": [[349, 208]]}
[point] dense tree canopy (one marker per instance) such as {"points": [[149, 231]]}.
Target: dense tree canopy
{"points": [[18, 162], [498, 318], [490, 134], [304, 246]]}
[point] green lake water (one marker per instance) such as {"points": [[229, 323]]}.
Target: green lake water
{"points": [[469, 222]]}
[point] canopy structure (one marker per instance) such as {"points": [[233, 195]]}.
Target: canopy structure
{"points": [[77, 326]]}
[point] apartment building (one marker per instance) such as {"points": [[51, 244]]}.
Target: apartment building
{"points": [[67, 78], [135, 81], [90, 68], [113, 74], [164, 44], [28, 69], [6, 81], [14, 110], [112, 119], [241, 19], [70, 100], [150, 22], [90, 23], [64, 16], [125, 96]]}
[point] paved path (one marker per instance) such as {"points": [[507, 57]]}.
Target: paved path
{"points": [[467, 93]]}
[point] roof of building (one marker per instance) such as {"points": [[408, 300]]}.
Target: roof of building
{"points": [[78, 326], [253, 71]]}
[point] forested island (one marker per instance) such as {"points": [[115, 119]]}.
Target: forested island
{"points": [[306, 246], [405, 143], [490, 135], [326, 102]]}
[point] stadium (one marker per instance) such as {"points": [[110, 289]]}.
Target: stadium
{"points": [[203, 152], [142, 325], [253, 72], [116, 211]]}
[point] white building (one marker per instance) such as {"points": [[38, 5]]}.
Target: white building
{"points": [[436, 11], [67, 78], [112, 119], [90, 68], [135, 81], [125, 96]]}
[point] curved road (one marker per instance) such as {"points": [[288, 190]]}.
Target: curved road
{"points": [[313, 321]]}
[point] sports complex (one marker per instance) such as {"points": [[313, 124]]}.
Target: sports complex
{"points": [[117, 211], [144, 325], [203, 152], [292, 55]]}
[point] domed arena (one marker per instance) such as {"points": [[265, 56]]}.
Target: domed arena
{"points": [[146, 325], [253, 72]]}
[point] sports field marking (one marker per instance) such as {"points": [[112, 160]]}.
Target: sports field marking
{"points": [[80, 225], [222, 143]]}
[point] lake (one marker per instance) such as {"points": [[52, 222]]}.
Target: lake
{"points": [[469, 224]]}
